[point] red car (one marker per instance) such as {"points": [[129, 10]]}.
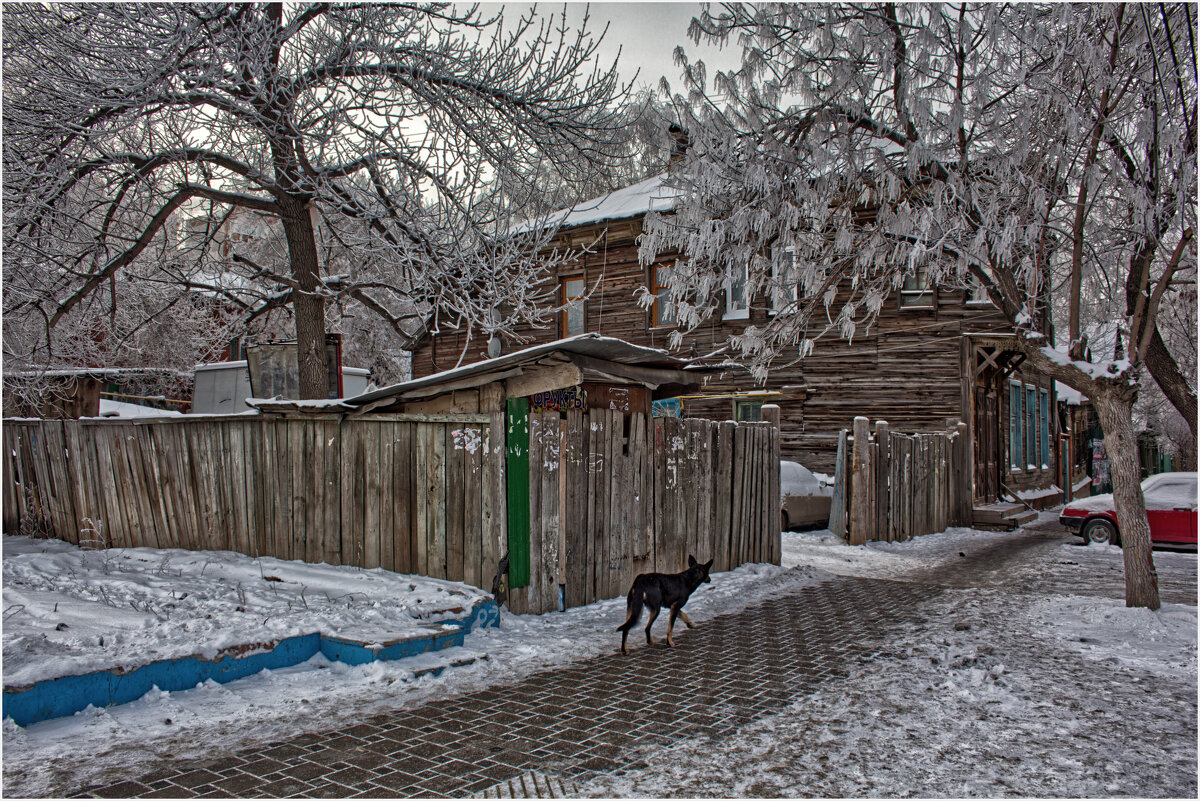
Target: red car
{"points": [[1170, 508]]}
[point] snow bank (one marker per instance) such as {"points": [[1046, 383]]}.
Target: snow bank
{"points": [[70, 610]]}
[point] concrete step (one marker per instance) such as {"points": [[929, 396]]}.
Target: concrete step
{"points": [[1002, 516]]}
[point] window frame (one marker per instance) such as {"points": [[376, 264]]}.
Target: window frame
{"points": [[739, 312], [924, 288], [569, 302], [748, 403], [656, 310], [1044, 425], [777, 293], [1016, 436]]}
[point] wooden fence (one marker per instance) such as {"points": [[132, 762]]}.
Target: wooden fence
{"points": [[894, 486], [609, 495], [370, 492]]}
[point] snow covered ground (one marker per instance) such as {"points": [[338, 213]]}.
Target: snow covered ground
{"points": [[998, 693]]}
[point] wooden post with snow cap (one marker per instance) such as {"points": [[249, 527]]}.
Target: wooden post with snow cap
{"points": [[862, 513], [881, 466], [774, 533]]}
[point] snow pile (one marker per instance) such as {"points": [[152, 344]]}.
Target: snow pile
{"points": [[1161, 641], [70, 610], [828, 552]]}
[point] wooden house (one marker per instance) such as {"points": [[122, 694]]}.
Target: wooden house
{"points": [[934, 356]]}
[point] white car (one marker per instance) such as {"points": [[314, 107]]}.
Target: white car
{"points": [[805, 496]]}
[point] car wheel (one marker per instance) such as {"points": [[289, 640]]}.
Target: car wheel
{"points": [[783, 521], [1101, 532]]}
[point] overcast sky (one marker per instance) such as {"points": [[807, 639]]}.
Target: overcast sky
{"points": [[646, 33]]}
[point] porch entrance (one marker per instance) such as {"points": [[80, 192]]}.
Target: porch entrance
{"points": [[992, 362]]}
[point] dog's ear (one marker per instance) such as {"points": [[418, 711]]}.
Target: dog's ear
{"points": [[708, 565], [692, 561]]}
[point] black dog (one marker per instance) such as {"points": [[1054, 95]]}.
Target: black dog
{"points": [[657, 590]]}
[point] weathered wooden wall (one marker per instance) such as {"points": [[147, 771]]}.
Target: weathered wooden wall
{"points": [[413, 494], [893, 486], [610, 495], [908, 368]]}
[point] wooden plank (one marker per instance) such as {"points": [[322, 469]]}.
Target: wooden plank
{"points": [[837, 508], [82, 488], [617, 540], [9, 508], [642, 498], [882, 470], [473, 445], [371, 511], [494, 510], [776, 492], [403, 462], [737, 537], [550, 435], [860, 495], [385, 435], [517, 467], [436, 502], [331, 491], [722, 494], [454, 503], [536, 519], [421, 449], [576, 555], [598, 490]]}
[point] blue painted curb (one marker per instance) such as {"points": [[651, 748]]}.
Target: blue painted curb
{"points": [[55, 698]]}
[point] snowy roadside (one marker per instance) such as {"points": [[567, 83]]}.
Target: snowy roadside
{"points": [[910, 724], [55, 756], [1001, 692]]}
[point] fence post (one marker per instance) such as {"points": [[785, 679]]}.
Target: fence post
{"points": [[837, 507], [882, 468], [774, 533], [862, 513], [965, 472]]}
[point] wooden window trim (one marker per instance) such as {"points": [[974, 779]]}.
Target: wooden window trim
{"points": [[655, 289]]}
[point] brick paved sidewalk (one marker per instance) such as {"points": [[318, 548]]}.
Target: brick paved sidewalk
{"points": [[540, 736]]}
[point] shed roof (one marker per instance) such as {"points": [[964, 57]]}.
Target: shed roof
{"points": [[635, 363]]}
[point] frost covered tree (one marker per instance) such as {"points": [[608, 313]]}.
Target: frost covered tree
{"points": [[376, 129], [1023, 149]]}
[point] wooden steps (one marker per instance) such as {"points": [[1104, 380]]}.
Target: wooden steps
{"points": [[1002, 516]]}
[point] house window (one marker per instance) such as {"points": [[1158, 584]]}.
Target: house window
{"points": [[664, 309], [1044, 408], [1031, 429], [784, 288], [917, 291], [1015, 440], [745, 411], [737, 304], [977, 295], [572, 300]]}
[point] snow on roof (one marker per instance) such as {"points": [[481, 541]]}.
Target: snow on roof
{"points": [[112, 408], [636, 199], [1068, 395]]}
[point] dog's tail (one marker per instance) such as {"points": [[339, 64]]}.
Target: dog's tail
{"points": [[633, 607]]}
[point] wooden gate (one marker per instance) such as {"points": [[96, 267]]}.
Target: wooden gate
{"points": [[611, 495]]}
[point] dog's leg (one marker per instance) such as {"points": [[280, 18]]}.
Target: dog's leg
{"points": [[653, 617], [686, 619], [671, 625]]}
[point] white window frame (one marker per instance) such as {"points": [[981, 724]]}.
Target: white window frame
{"points": [[741, 312], [779, 296]]}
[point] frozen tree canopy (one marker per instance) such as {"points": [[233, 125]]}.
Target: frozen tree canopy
{"points": [[372, 138]]}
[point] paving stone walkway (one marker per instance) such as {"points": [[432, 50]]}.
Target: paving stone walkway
{"points": [[563, 726]]}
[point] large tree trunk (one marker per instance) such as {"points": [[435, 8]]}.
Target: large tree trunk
{"points": [[308, 303], [1120, 442], [1171, 381]]}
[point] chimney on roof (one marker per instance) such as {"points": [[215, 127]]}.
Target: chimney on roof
{"points": [[679, 145]]}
